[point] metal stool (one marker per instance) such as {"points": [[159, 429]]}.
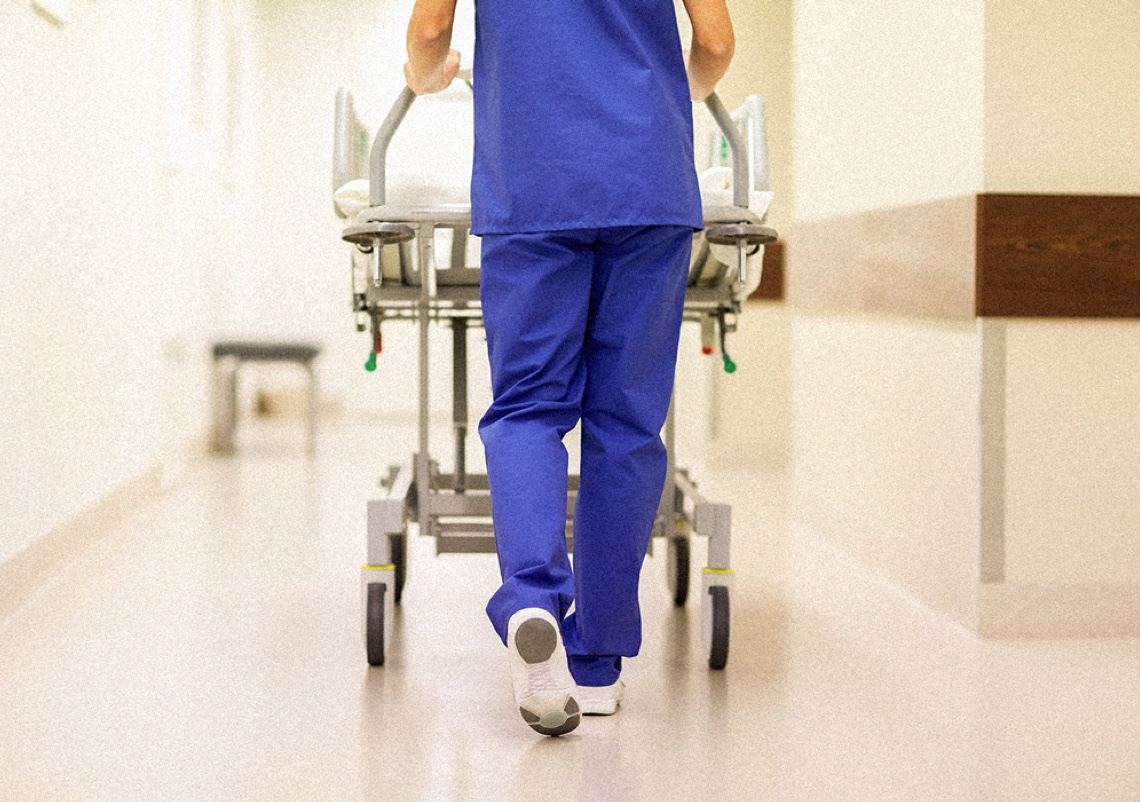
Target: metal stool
{"points": [[228, 358]]}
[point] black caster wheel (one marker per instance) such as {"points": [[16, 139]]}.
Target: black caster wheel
{"points": [[399, 548], [677, 569], [718, 651], [374, 622]]}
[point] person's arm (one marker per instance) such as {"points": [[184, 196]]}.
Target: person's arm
{"points": [[432, 64], [712, 47]]}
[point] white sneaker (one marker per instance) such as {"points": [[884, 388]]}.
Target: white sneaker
{"points": [[600, 701], [544, 689]]}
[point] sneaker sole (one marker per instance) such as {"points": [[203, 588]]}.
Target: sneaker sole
{"points": [[535, 642], [569, 719]]}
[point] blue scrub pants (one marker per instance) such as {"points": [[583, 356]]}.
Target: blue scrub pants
{"points": [[580, 324]]}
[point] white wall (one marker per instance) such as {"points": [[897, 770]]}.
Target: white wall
{"points": [[298, 285], [887, 104], [114, 225]]}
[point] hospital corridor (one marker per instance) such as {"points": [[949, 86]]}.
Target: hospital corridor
{"points": [[246, 547]]}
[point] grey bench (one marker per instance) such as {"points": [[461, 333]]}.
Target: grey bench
{"points": [[228, 358]]}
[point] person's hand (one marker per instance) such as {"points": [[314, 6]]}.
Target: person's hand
{"points": [[437, 79]]}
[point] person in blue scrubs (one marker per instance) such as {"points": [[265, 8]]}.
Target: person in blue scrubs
{"points": [[584, 192]]}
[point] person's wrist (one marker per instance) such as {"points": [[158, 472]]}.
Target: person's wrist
{"points": [[699, 91], [421, 84]]}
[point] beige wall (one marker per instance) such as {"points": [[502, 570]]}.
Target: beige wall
{"points": [[897, 103], [763, 65], [887, 103], [893, 418], [885, 456], [1062, 107], [1063, 116], [1072, 495], [886, 461], [750, 410]]}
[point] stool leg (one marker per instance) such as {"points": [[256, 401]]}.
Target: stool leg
{"points": [[312, 407], [225, 404]]}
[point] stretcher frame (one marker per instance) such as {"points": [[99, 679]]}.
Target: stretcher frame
{"points": [[396, 278]]}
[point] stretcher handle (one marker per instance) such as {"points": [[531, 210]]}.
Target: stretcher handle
{"points": [[736, 146], [378, 158]]}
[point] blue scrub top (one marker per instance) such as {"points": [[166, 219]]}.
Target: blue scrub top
{"points": [[582, 117]]}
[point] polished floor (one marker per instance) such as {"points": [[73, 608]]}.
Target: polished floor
{"points": [[209, 648]]}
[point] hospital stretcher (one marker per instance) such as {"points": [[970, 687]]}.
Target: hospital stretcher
{"points": [[397, 276]]}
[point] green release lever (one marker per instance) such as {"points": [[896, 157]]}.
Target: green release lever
{"points": [[729, 365], [377, 343]]}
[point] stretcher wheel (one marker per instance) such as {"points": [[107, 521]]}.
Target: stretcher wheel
{"points": [[741, 234], [399, 548], [677, 569], [718, 651], [374, 623]]}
